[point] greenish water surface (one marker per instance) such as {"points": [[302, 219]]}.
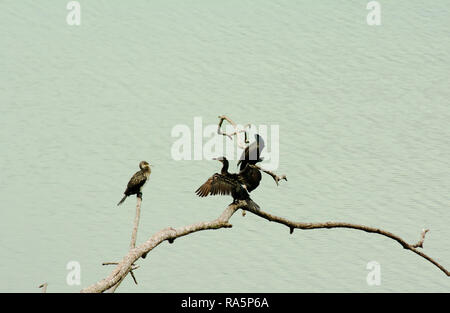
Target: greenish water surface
{"points": [[364, 119]]}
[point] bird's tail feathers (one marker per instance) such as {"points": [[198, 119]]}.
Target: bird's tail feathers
{"points": [[123, 199], [252, 205]]}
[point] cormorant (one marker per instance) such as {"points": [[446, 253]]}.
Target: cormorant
{"points": [[138, 181], [252, 153], [226, 183], [251, 156], [252, 176]]}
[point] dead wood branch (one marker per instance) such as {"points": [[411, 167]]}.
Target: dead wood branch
{"points": [[44, 287], [275, 177], [236, 132], [308, 226], [222, 221], [419, 244], [169, 233], [132, 246]]}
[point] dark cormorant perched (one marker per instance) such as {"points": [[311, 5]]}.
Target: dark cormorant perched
{"points": [[252, 176], [226, 183], [138, 181], [251, 156], [252, 153]]}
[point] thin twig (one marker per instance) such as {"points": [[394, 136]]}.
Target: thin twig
{"points": [[236, 132], [419, 244], [132, 244], [44, 287], [275, 177], [134, 278], [134, 266]]}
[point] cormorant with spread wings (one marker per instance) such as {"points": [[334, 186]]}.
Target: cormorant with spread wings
{"points": [[226, 183]]}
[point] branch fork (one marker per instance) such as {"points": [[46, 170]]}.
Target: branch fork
{"points": [[236, 132], [419, 244]]}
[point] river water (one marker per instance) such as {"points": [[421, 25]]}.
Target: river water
{"points": [[364, 137]]}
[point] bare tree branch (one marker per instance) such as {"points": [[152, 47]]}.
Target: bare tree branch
{"points": [[275, 177], [134, 267], [168, 233], [134, 277], [236, 132], [222, 221], [308, 226], [419, 244], [136, 222], [132, 245], [44, 287]]}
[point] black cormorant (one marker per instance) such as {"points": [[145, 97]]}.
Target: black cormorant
{"points": [[251, 156], [252, 153], [138, 181], [226, 183], [252, 176]]}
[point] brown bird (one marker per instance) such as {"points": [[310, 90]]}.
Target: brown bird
{"points": [[138, 181]]}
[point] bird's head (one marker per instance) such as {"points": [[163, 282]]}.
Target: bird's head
{"points": [[221, 159], [144, 165]]}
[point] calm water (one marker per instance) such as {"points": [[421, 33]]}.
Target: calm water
{"points": [[364, 137]]}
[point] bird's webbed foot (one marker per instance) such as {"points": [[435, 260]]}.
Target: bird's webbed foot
{"points": [[235, 201]]}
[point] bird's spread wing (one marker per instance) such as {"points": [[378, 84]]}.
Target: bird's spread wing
{"points": [[215, 185]]}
